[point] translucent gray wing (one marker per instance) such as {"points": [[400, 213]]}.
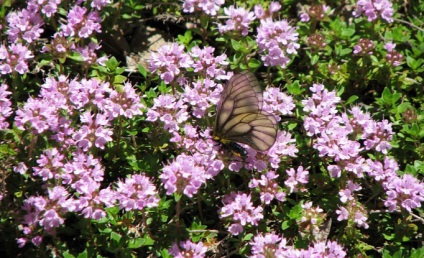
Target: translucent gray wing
{"points": [[240, 117]]}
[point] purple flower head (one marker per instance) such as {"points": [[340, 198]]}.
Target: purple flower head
{"points": [[82, 166], [136, 193], [374, 9], [206, 64], [343, 214], [80, 23], [322, 249], [268, 187], [88, 53], [25, 25], [260, 13], [270, 245], [93, 132], [5, 109], [296, 179], [14, 59], [21, 168], [364, 47], [283, 146], [393, 57], [238, 22], [277, 40], [37, 114], [239, 209], [170, 111], [99, 4], [168, 60], [56, 91], [49, 164], [124, 103], [185, 175], [45, 212], [210, 7], [277, 103], [188, 249], [201, 96], [403, 192], [47, 7], [347, 194]]}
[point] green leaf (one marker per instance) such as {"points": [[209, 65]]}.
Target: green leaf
{"points": [[83, 254], [348, 32], [295, 88], [254, 64], [142, 70], [115, 237], [352, 99], [236, 45], [135, 243], [314, 59]]}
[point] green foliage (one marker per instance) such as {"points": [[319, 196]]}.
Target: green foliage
{"points": [[369, 81]]}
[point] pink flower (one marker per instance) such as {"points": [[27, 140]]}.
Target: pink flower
{"points": [[136, 193], [239, 209], [5, 109], [188, 249], [210, 7], [80, 23], [238, 22], [14, 59], [277, 40], [168, 60], [375, 8]]}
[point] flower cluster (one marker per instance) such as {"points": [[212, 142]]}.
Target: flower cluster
{"points": [[210, 7], [277, 40], [186, 174], [273, 245], [188, 249], [405, 191], [5, 109], [268, 187], [277, 103], [208, 65], [296, 179], [14, 58], [393, 57], [335, 131], [46, 211], [239, 209], [364, 47], [317, 41], [260, 13], [168, 60], [238, 22], [374, 9], [312, 218], [24, 25], [315, 12], [136, 193], [201, 96], [80, 23]]}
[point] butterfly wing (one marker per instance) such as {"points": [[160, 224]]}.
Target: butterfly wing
{"points": [[240, 117], [242, 94]]}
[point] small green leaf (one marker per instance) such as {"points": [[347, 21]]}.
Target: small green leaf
{"points": [[351, 99], [142, 70]]}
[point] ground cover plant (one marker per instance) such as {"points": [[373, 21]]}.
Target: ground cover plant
{"points": [[107, 111]]}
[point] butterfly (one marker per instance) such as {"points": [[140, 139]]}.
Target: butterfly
{"points": [[240, 118]]}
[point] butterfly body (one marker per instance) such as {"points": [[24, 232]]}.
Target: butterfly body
{"points": [[240, 118]]}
